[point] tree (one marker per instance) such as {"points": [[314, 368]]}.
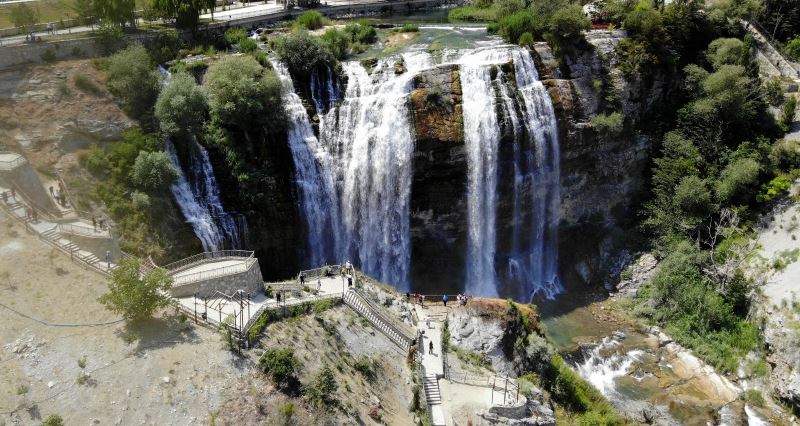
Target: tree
{"points": [[280, 365], [24, 15], [181, 108], [243, 93], [119, 12], [568, 23], [86, 11], [302, 53], [133, 80], [726, 51], [322, 391], [133, 296], [153, 171], [739, 180], [185, 12]]}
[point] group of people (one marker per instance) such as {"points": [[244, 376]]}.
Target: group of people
{"points": [[7, 197], [60, 194], [347, 271], [420, 299], [32, 38]]}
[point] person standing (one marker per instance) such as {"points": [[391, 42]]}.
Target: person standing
{"points": [[430, 347], [444, 300], [94, 222], [52, 194], [422, 300], [302, 278], [5, 197], [13, 194], [108, 259]]}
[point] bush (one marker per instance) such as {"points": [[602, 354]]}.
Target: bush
{"points": [[472, 14], [337, 42], [409, 28], [109, 37], [526, 40], [512, 27], [140, 200], [133, 296], [361, 33], [692, 196], [365, 366], [181, 107], [302, 53], [726, 51], [244, 94], [165, 46], [86, 85], [608, 124], [133, 80], [505, 8], [235, 35], [567, 23], [739, 180], [248, 45], [280, 366], [792, 49], [53, 420], [310, 20], [788, 112], [785, 154], [322, 390], [153, 171], [24, 15], [776, 187]]}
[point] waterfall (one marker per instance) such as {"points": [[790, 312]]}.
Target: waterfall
{"points": [[198, 198], [313, 176]]}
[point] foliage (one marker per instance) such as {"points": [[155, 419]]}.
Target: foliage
{"points": [[85, 11], [409, 28], [777, 186], [321, 392], [567, 23], [472, 14], [302, 53], [365, 366], [785, 154], [153, 171], [235, 35], [782, 18], [118, 12], [132, 79], [310, 20], [608, 124], [634, 57], [683, 299], [505, 8], [792, 49], [165, 46], [133, 296], [243, 93], [788, 113], [513, 26], [86, 85], [109, 37], [337, 42], [526, 40], [24, 15], [185, 12], [361, 32], [516, 328], [726, 51], [280, 365], [248, 45], [181, 107], [739, 180], [53, 420], [446, 336]]}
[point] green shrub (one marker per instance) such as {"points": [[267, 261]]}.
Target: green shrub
{"points": [[785, 154], [505, 8], [140, 200], [526, 40], [132, 79], [776, 187], [361, 33], [337, 42], [321, 392], [242, 93], [513, 26], [109, 37], [472, 14], [568, 23], [135, 296], [165, 46], [248, 45], [310, 20], [692, 196], [302, 53], [87, 86], [365, 366], [153, 171], [788, 113], [726, 51], [181, 107], [409, 28], [235, 35], [53, 420], [739, 180], [792, 49], [280, 365], [608, 124]]}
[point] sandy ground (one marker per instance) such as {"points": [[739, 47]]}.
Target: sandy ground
{"points": [[781, 237], [179, 372]]}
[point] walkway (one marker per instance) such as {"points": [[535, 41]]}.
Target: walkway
{"points": [[432, 363]]}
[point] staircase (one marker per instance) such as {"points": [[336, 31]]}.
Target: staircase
{"points": [[402, 338], [432, 393]]}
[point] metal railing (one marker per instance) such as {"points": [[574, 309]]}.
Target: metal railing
{"points": [[215, 273], [401, 330], [207, 256], [71, 228], [11, 164]]}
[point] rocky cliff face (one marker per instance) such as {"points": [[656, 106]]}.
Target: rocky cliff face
{"points": [[602, 176]]}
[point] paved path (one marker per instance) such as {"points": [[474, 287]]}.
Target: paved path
{"points": [[433, 364]]}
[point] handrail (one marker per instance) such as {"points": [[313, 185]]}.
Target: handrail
{"points": [[214, 273], [209, 255], [71, 228], [409, 336], [13, 164]]}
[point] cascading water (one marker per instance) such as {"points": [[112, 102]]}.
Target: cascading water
{"points": [[366, 142], [313, 176], [198, 198], [531, 265]]}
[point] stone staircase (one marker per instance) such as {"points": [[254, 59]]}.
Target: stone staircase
{"points": [[432, 392], [402, 338]]}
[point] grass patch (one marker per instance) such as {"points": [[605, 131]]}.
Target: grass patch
{"points": [[86, 85], [472, 358], [472, 14]]}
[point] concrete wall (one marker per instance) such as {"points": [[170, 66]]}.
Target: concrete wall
{"points": [[250, 281], [26, 180], [96, 245], [57, 50]]}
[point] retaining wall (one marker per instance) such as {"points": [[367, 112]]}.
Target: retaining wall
{"points": [[27, 181], [96, 245], [250, 281]]}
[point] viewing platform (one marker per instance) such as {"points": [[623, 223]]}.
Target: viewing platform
{"points": [[209, 273]]}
